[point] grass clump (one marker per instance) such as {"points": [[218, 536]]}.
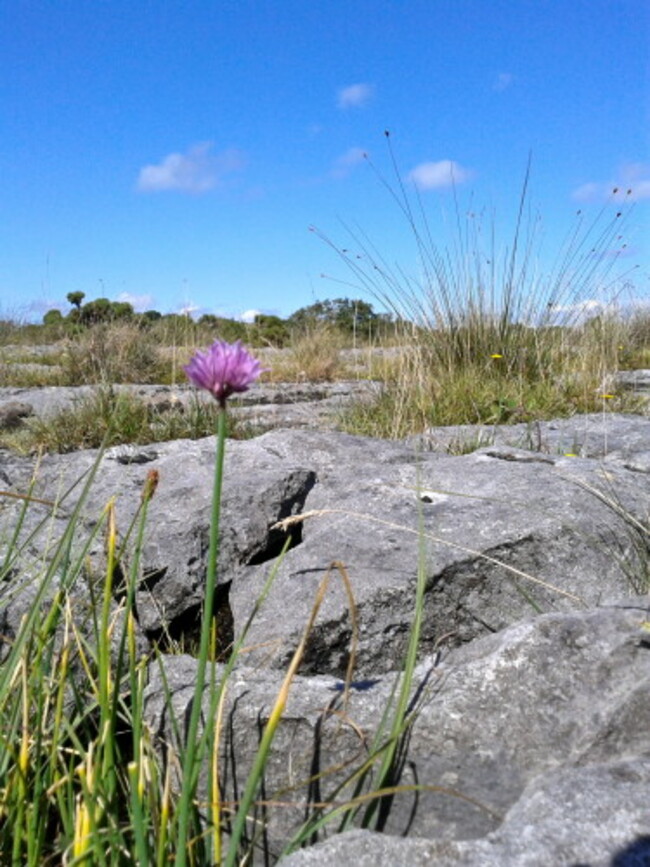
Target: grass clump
{"points": [[634, 345], [82, 777], [112, 353], [486, 337], [30, 375], [110, 417], [314, 355], [418, 394]]}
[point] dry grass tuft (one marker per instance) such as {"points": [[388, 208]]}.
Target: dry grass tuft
{"points": [[313, 356]]}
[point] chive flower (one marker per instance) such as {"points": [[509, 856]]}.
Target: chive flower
{"points": [[223, 369]]}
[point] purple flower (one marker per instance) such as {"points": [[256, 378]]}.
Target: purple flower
{"points": [[223, 369]]}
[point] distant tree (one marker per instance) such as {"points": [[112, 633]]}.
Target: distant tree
{"points": [[231, 330], [307, 317], [148, 317], [53, 317], [102, 310], [99, 310], [121, 310], [268, 329], [225, 329], [209, 319], [352, 316], [75, 298]]}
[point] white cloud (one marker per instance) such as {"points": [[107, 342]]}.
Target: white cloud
{"points": [[140, 303], [347, 162], [581, 311], [189, 309], [435, 176], [587, 192], [249, 315], [589, 305], [601, 192], [641, 190], [632, 184], [355, 96], [42, 305], [503, 81], [195, 171]]}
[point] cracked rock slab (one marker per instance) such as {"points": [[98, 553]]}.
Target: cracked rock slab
{"points": [[596, 816], [536, 739], [501, 533], [613, 437]]}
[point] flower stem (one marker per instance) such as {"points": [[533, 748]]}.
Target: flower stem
{"points": [[192, 758]]}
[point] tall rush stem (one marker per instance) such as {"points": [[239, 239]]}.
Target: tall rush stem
{"points": [[191, 758]]}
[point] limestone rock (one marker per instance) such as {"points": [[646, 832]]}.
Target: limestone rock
{"points": [[13, 413], [505, 533], [611, 437], [536, 738]]}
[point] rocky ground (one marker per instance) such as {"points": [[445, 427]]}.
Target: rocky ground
{"points": [[267, 406], [315, 406], [531, 733]]}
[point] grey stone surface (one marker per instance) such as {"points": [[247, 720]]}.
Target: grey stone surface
{"points": [[13, 413], [519, 712], [492, 522], [258, 491], [614, 437], [495, 524], [635, 380], [531, 727], [269, 405], [578, 817], [538, 737]]}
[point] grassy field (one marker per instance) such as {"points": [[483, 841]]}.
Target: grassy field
{"points": [[484, 370], [480, 340], [81, 780], [482, 334]]}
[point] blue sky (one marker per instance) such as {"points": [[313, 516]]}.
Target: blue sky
{"points": [[175, 154]]}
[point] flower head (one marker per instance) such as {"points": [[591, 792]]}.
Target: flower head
{"points": [[223, 369], [150, 485]]}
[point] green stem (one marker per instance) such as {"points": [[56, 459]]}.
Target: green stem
{"points": [[190, 775], [104, 675], [385, 776]]}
